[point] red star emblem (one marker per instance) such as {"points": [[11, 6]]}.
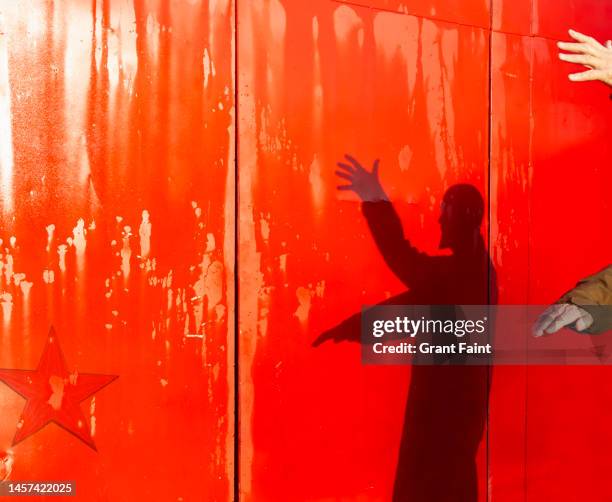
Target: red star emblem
{"points": [[54, 394]]}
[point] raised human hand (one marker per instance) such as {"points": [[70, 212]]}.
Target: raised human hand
{"points": [[593, 55]]}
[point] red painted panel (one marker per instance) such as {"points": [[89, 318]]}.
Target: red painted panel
{"points": [[552, 19], [117, 229], [116, 189], [469, 12], [512, 17], [570, 224], [511, 170], [550, 212], [316, 80]]}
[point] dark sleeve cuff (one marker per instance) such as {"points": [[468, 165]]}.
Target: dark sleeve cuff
{"points": [[602, 318]]}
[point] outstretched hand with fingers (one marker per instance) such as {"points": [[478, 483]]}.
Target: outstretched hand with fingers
{"points": [[588, 52], [562, 315], [364, 183]]}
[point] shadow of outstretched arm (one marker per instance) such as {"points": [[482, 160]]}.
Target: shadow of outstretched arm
{"points": [[411, 266], [349, 330]]}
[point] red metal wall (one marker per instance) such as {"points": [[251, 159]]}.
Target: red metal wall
{"points": [[121, 107], [408, 82], [110, 108], [550, 221], [318, 80]]}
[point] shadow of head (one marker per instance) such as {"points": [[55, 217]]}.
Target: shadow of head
{"points": [[461, 215]]}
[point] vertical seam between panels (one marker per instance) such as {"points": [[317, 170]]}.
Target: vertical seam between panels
{"points": [[236, 452], [529, 257], [489, 246]]}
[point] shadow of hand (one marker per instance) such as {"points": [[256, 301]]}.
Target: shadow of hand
{"points": [[364, 183]]}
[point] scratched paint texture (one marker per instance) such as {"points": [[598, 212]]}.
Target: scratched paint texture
{"points": [[316, 80], [117, 197], [408, 82], [117, 192]]}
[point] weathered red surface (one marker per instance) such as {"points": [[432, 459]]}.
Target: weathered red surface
{"points": [[412, 89], [317, 80], [549, 218], [117, 207], [117, 130], [551, 19]]}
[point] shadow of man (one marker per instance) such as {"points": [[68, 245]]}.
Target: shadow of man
{"points": [[446, 409]]}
